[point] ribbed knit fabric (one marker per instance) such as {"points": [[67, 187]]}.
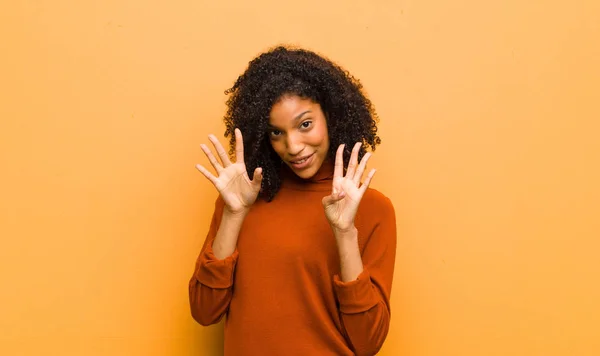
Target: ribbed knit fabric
{"points": [[280, 290]]}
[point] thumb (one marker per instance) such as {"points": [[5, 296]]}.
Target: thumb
{"points": [[257, 177], [332, 198]]}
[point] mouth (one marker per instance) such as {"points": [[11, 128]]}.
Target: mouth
{"points": [[302, 162]]}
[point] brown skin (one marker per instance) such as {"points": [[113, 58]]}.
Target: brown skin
{"points": [[298, 128]]}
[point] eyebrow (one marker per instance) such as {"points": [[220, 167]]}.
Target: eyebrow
{"points": [[298, 117]]}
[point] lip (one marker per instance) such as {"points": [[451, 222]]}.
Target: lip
{"points": [[304, 164]]}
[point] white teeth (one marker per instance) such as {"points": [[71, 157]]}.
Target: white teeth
{"points": [[300, 161]]}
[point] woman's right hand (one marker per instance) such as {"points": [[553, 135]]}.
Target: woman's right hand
{"points": [[232, 181]]}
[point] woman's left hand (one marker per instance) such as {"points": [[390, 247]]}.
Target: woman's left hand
{"points": [[342, 204]]}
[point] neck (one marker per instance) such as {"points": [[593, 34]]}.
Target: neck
{"points": [[319, 181]]}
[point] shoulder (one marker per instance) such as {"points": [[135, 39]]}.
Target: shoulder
{"points": [[375, 210], [376, 220], [376, 203]]}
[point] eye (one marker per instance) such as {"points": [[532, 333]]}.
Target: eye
{"points": [[275, 133], [306, 124]]}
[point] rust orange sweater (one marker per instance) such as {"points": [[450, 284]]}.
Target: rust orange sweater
{"points": [[280, 290]]}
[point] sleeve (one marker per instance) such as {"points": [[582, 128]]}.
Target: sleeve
{"points": [[364, 303], [210, 288]]}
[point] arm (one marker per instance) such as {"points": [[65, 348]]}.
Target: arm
{"points": [[364, 298], [351, 265], [210, 286], [363, 291]]}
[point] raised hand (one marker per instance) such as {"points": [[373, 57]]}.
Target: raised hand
{"points": [[342, 204], [232, 181]]}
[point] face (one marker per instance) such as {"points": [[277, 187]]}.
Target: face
{"points": [[298, 133]]}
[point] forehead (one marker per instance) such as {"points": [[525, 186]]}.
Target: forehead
{"points": [[290, 108]]}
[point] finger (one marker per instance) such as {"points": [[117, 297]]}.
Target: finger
{"points": [[365, 185], [216, 165], [257, 178], [335, 191], [207, 174], [353, 160], [332, 198], [339, 162], [239, 146], [220, 150], [361, 168]]}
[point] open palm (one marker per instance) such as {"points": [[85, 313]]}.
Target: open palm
{"points": [[342, 204], [232, 180]]}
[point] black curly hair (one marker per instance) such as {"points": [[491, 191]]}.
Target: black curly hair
{"points": [[284, 70]]}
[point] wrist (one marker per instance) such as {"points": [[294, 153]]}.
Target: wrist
{"points": [[237, 215], [348, 232], [349, 251], [226, 238]]}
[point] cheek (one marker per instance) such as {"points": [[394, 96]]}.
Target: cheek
{"points": [[278, 147], [321, 137]]}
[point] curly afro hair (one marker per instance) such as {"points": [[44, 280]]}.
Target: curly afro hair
{"points": [[285, 71]]}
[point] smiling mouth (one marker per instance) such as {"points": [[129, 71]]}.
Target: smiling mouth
{"points": [[302, 160]]}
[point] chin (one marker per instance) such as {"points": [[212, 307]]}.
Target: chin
{"points": [[305, 173]]}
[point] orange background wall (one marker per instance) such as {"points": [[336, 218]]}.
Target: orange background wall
{"points": [[490, 119]]}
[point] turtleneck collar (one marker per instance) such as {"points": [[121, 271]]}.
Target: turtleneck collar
{"points": [[321, 181]]}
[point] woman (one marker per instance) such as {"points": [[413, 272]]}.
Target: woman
{"points": [[300, 254]]}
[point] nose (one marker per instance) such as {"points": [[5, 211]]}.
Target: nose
{"points": [[294, 145]]}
